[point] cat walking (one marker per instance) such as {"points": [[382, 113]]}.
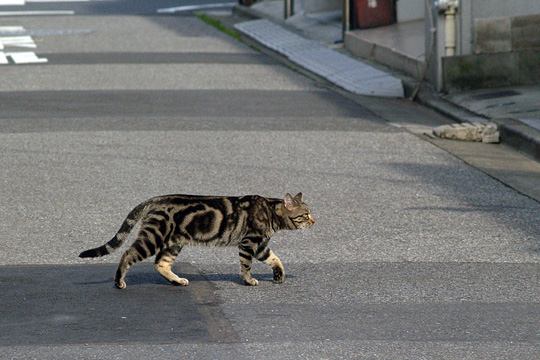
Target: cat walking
{"points": [[170, 222]]}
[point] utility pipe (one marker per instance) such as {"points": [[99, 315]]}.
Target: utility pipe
{"points": [[288, 9], [450, 31], [449, 8], [345, 18]]}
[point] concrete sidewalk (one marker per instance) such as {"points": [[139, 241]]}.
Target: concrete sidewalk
{"points": [[341, 70], [516, 110], [312, 42]]}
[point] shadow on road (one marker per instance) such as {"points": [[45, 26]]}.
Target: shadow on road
{"points": [[72, 304]]}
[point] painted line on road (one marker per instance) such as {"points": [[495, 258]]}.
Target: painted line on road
{"points": [[11, 30], [11, 2], [176, 9], [23, 2], [19, 41], [37, 13], [26, 57], [64, 1]]}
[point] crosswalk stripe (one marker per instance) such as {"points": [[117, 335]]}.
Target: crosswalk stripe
{"points": [[11, 2], [37, 13], [27, 57], [11, 30], [23, 2], [17, 41], [63, 1]]}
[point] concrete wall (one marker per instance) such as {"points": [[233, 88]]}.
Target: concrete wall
{"points": [[494, 8], [506, 53], [408, 10], [311, 6], [495, 35], [498, 44], [468, 72], [470, 10]]}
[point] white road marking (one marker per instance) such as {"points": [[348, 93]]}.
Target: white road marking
{"points": [[24, 41], [11, 2], [176, 9], [26, 57], [18, 41], [23, 2], [11, 30], [63, 1], [37, 13]]}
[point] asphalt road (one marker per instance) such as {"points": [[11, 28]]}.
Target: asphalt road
{"points": [[415, 254]]}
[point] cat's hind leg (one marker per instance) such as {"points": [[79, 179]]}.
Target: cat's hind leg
{"points": [[163, 265], [142, 248], [246, 252]]}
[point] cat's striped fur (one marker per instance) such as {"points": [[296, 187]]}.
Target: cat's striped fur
{"points": [[168, 223]]}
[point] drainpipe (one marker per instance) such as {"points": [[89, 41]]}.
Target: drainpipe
{"points": [[345, 18], [449, 8], [288, 9]]}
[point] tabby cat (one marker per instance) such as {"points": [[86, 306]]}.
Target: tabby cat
{"points": [[167, 223]]}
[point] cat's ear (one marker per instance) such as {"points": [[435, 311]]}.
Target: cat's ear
{"points": [[299, 198], [289, 202]]}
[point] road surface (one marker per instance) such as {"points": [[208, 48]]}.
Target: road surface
{"points": [[414, 255]]}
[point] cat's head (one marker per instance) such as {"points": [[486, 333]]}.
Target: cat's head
{"points": [[297, 211]]}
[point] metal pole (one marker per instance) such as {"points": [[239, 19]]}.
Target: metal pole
{"points": [[288, 9], [346, 18]]}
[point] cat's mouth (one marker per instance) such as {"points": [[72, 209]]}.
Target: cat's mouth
{"points": [[310, 222], [306, 225]]}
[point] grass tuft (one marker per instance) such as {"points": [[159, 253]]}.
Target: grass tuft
{"points": [[218, 25]]}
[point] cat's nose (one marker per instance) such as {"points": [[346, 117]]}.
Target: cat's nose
{"points": [[312, 220]]}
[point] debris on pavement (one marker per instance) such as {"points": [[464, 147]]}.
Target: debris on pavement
{"points": [[486, 133]]}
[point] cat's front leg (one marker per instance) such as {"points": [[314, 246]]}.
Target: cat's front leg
{"points": [[267, 256]]}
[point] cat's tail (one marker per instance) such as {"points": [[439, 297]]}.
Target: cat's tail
{"points": [[120, 236]]}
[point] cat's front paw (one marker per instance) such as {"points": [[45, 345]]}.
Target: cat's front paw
{"points": [[279, 275], [180, 282], [251, 282]]}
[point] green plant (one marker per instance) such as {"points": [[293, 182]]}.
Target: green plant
{"points": [[218, 25]]}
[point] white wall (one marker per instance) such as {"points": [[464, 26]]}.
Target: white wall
{"points": [[311, 6], [408, 10]]}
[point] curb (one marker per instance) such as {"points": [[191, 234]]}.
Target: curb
{"points": [[340, 69], [520, 136], [429, 97], [513, 132]]}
